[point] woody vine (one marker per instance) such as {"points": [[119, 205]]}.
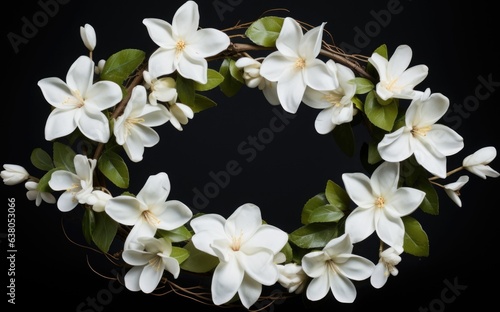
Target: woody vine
{"points": [[116, 104]]}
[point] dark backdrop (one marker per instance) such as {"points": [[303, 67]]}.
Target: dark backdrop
{"points": [[456, 42]]}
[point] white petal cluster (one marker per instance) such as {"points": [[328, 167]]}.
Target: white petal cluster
{"points": [[13, 174], [38, 196], [386, 266], [478, 163], [183, 46], [453, 189], [253, 79], [292, 277], [245, 251]]}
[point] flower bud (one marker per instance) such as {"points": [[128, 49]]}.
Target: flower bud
{"points": [[88, 35], [477, 163], [292, 277], [13, 174]]}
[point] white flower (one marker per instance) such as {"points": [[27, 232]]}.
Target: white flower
{"points": [[161, 89], [292, 277], [381, 204], [396, 79], [182, 45], [34, 194], [78, 102], [88, 35], [453, 189], [98, 200], [333, 268], [477, 163], [337, 106], [295, 66], [14, 174], [99, 67], [386, 266], [76, 186], [133, 128], [149, 210], [253, 79], [245, 247], [429, 142], [150, 258], [179, 114]]}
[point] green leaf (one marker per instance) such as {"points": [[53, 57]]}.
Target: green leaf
{"points": [[287, 251], [179, 234], [373, 154], [430, 204], [230, 86], [337, 196], [114, 168], [185, 90], [344, 137], [63, 156], [214, 79], [88, 225], [198, 261], [201, 103], [358, 103], [363, 85], [265, 31], [313, 203], [43, 184], [41, 159], [122, 64], [179, 254], [382, 116], [104, 232], [416, 241], [326, 213], [314, 235]]}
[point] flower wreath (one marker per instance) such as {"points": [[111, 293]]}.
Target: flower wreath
{"points": [[117, 103]]}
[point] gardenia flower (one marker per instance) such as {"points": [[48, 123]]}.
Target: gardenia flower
{"points": [[149, 210], [182, 45], [396, 79], [34, 194], [98, 200], [477, 163], [87, 33], [253, 79], [245, 247], [386, 266], [77, 186], [13, 174], [333, 268], [150, 258], [133, 128], [295, 66], [453, 189], [422, 137], [161, 89], [381, 204], [292, 277], [337, 106], [78, 102]]}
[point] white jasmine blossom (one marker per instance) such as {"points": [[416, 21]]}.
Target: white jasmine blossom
{"points": [[422, 137], [88, 35], [292, 277], [79, 102], [333, 268], [453, 189], [477, 163], [381, 204], [386, 266], [149, 210], [161, 89], [150, 258], [295, 66], [183, 46], [396, 79], [14, 174], [253, 79], [34, 194], [77, 186], [245, 251], [336, 105], [133, 129]]}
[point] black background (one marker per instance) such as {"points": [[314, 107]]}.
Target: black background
{"points": [[456, 42]]}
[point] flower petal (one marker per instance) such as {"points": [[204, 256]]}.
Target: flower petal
{"points": [[359, 188], [245, 220], [150, 277], [379, 276], [249, 292], [260, 239], [160, 32], [103, 95], [360, 224], [208, 42], [132, 278], [124, 209], [318, 287], [259, 266], [174, 215], [342, 288], [155, 190], [93, 124], [186, 19], [81, 74], [226, 280], [60, 123], [355, 267]]}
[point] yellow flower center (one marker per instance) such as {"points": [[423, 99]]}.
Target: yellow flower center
{"points": [[179, 46], [236, 243], [131, 122], [150, 218], [300, 63], [333, 98], [420, 131], [76, 100], [156, 263], [380, 202]]}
